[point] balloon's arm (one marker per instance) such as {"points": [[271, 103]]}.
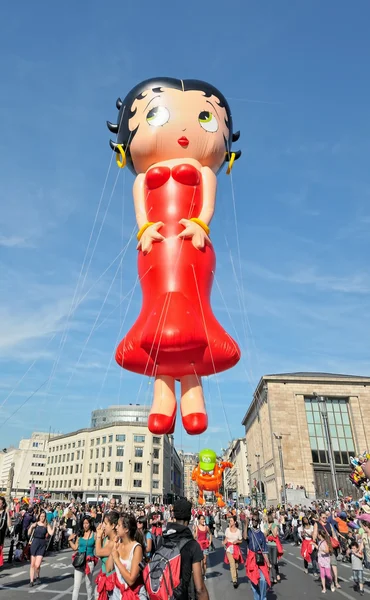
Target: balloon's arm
{"points": [[209, 181], [226, 465], [139, 201], [195, 474]]}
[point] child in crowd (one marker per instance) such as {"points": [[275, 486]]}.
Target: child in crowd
{"points": [[18, 554], [357, 560]]}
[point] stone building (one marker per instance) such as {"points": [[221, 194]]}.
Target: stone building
{"points": [[312, 414], [189, 461], [236, 479]]}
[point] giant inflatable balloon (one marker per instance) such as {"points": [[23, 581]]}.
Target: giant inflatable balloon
{"points": [[175, 136], [208, 475]]}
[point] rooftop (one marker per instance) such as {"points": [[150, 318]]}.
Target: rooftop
{"points": [[317, 374]]}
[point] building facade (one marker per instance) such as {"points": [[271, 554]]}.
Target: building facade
{"points": [[236, 479], [312, 417], [30, 460], [119, 459], [189, 461]]}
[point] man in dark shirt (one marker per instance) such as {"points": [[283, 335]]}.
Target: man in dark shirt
{"points": [[191, 553]]}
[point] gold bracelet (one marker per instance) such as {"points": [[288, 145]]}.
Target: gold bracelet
{"points": [[144, 228], [201, 224]]}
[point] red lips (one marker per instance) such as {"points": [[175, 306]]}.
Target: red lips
{"points": [[183, 141]]}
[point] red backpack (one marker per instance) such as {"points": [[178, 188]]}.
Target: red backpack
{"points": [[162, 576]]}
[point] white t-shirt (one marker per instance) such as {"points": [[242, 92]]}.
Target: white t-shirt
{"points": [[233, 536]]}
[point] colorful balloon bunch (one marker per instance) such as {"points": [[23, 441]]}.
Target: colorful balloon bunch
{"points": [[361, 471]]}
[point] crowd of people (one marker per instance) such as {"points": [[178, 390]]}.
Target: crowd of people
{"points": [[116, 548]]}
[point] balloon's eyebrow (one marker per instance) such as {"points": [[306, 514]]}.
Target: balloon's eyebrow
{"points": [[154, 97], [213, 107]]}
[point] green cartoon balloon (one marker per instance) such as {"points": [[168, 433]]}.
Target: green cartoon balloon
{"points": [[207, 459]]}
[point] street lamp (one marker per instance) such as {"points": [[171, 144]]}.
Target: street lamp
{"points": [[279, 438], [324, 414], [258, 456]]}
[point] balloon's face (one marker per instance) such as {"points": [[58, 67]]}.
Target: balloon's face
{"points": [[173, 124], [207, 460]]}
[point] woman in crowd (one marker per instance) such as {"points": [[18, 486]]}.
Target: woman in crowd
{"points": [[325, 550], [84, 543], [145, 537], [308, 548], [204, 538], [5, 523], [257, 564], [275, 548], [106, 534], [125, 559], [232, 540], [37, 533]]}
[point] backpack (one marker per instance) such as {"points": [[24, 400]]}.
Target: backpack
{"points": [[162, 576]]}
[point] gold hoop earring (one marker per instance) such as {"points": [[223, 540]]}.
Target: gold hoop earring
{"points": [[121, 156], [231, 162]]}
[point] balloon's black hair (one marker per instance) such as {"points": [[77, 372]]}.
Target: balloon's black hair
{"points": [[121, 128]]}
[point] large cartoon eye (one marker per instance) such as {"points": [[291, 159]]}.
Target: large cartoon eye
{"points": [[158, 116], [208, 121]]}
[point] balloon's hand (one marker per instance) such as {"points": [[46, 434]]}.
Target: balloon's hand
{"points": [[149, 236], [192, 230]]}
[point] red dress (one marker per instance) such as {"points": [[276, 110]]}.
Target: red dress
{"points": [[176, 332]]}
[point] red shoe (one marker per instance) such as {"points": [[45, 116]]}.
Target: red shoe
{"points": [[195, 423], [161, 424]]}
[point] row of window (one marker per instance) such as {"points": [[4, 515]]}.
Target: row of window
{"points": [[38, 455], [138, 468], [31, 481], [67, 485], [100, 453], [68, 446], [36, 473], [138, 439], [37, 464]]}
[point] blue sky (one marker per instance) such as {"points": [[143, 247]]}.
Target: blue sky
{"points": [[296, 78]]}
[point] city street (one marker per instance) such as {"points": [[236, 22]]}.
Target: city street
{"points": [[57, 580]]}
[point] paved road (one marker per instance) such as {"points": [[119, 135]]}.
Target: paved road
{"points": [[57, 580], [295, 584]]}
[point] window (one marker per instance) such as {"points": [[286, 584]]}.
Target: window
{"points": [[62, 470], [64, 458], [72, 456], [79, 443], [103, 452], [95, 482], [138, 467], [96, 468], [35, 445], [156, 440], [68, 457], [108, 466], [156, 453], [120, 451], [97, 441], [75, 482], [91, 442], [102, 467], [97, 453], [70, 469], [69, 446], [118, 482], [155, 469], [88, 482], [139, 452], [339, 429], [76, 468], [155, 485], [82, 454], [104, 439], [139, 439], [119, 466], [74, 445], [110, 439], [107, 482], [120, 437], [110, 451], [91, 454], [137, 482]]}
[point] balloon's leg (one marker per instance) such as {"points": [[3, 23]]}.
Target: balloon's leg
{"points": [[193, 410], [201, 497], [220, 501], [162, 416]]}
